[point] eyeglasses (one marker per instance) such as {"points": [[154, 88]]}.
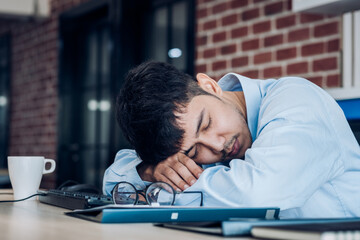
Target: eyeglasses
{"points": [[156, 194]]}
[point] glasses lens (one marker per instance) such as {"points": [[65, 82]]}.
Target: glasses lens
{"points": [[160, 194], [124, 193]]}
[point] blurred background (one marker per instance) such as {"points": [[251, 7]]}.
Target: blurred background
{"points": [[62, 63]]}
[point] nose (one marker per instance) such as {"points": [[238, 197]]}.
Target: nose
{"points": [[213, 141]]}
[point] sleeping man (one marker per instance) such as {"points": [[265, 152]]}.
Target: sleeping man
{"points": [[242, 142]]}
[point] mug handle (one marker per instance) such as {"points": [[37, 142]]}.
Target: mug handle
{"points": [[52, 168]]}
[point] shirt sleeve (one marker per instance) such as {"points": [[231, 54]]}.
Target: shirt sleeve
{"points": [[295, 153], [123, 169]]}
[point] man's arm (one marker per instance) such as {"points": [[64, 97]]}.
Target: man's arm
{"points": [[179, 171], [123, 169]]}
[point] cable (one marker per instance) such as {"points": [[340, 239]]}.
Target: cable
{"points": [[67, 182], [19, 200]]}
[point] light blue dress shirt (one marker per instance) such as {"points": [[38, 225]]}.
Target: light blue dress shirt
{"points": [[304, 157]]}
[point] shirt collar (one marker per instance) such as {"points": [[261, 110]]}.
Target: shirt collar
{"points": [[251, 89]]}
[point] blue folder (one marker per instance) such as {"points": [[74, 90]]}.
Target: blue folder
{"points": [[145, 214]]}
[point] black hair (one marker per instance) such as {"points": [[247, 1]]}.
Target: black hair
{"points": [[152, 94]]}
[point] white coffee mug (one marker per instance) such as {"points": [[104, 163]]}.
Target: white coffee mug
{"points": [[26, 173]]}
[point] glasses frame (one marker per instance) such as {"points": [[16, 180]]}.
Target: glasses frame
{"points": [[143, 193]]}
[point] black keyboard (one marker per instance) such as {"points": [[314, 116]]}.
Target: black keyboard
{"points": [[73, 200]]}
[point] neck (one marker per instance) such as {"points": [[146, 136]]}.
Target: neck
{"points": [[238, 99]]}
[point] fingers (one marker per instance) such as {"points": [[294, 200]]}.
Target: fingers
{"points": [[185, 174], [171, 177], [191, 165], [179, 171]]}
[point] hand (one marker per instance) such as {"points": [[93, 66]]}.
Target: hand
{"points": [[178, 170]]}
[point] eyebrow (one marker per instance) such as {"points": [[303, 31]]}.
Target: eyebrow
{"points": [[200, 120]]}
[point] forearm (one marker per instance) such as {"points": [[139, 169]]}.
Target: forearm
{"points": [[146, 172], [124, 168]]}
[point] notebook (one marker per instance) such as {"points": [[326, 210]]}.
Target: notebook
{"points": [[243, 227], [163, 214], [342, 229]]}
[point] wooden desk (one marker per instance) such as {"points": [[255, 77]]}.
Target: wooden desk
{"points": [[35, 220]]}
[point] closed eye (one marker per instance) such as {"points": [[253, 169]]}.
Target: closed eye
{"points": [[209, 124], [195, 147]]}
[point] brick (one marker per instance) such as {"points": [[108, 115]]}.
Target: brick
{"points": [[262, 58], [219, 65], [251, 74], [317, 80], [299, 35], [286, 53], [199, 27], [228, 49], [333, 45], [325, 64], [207, 1], [228, 20], [262, 26], [250, 14], [238, 3], [250, 45], [239, 32], [272, 72], [289, 5], [210, 25], [285, 22], [312, 49], [201, 40], [326, 29], [198, 55], [273, 40], [202, 13], [209, 53], [201, 68], [273, 8], [216, 77], [240, 61], [333, 80], [219, 37], [297, 68], [221, 7], [308, 17]]}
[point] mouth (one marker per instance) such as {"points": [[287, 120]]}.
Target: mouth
{"points": [[235, 149]]}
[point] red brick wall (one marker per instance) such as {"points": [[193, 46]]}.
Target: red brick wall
{"points": [[34, 81], [265, 39]]}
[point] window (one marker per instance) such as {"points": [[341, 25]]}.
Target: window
{"points": [[169, 33], [85, 89], [4, 97]]}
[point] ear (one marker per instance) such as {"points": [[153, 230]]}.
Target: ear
{"points": [[208, 84]]}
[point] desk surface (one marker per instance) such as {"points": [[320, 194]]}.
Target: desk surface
{"points": [[35, 220]]}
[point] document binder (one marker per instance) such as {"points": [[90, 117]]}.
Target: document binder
{"points": [[146, 214]]}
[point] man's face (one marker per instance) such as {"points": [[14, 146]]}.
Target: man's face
{"points": [[215, 130]]}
